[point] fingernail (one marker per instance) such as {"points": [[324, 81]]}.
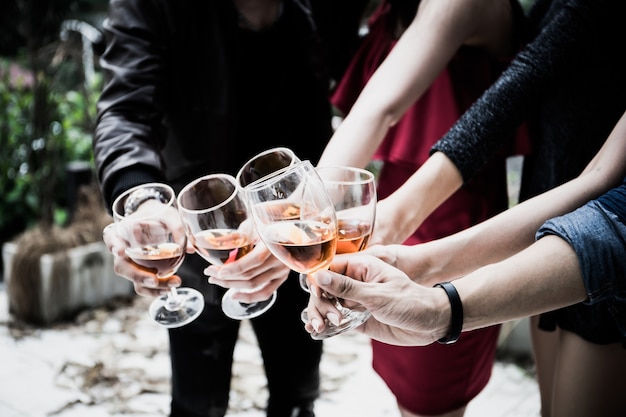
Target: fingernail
{"points": [[322, 278], [316, 324], [149, 282], [333, 318]]}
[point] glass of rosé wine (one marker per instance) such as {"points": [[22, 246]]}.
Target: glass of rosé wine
{"points": [[147, 220], [296, 219], [217, 225], [353, 190], [353, 193]]}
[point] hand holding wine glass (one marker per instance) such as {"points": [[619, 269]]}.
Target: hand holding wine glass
{"points": [[353, 193], [147, 222], [217, 224], [297, 220]]}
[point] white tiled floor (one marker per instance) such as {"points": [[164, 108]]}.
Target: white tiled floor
{"points": [[116, 363]]}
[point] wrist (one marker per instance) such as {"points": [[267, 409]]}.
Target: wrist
{"points": [[455, 324], [139, 197]]}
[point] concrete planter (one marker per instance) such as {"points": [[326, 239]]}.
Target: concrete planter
{"points": [[68, 282]]}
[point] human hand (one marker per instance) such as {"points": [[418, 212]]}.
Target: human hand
{"points": [[117, 236], [257, 275], [423, 263], [403, 313]]}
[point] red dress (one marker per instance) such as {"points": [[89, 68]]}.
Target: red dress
{"points": [[437, 378]]}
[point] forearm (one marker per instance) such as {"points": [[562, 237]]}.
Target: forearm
{"points": [[404, 75], [432, 184], [505, 234], [543, 277], [355, 140], [532, 75], [513, 230]]}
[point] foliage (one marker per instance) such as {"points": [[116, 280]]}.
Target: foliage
{"points": [[45, 125]]}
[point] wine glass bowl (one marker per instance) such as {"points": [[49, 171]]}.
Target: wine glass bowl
{"points": [[265, 163], [216, 221], [300, 217], [156, 242], [353, 192], [294, 217]]}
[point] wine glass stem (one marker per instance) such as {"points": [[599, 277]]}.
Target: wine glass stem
{"points": [[336, 302], [173, 302]]}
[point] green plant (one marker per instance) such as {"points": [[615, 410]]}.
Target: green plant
{"points": [[44, 126]]}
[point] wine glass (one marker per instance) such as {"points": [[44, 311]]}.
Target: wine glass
{"points": [[216, 220], [265, 163], [353, 193], [296, 219], [156, 242], [353, 190]]}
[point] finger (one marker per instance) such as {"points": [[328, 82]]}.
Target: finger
{"points": [[273, 277], [255, 276], [107, 229], [110, 239], [260, 294], [149, 292], [113, 241], [142, 278], [257, 262], [320, 311]]}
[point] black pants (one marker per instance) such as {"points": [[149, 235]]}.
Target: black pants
{"points": [[202, 352]]}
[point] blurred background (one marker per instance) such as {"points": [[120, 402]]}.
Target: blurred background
{"points": [[49, 82]]}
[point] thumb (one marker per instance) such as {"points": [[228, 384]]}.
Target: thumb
{"points": [[336, 284]]}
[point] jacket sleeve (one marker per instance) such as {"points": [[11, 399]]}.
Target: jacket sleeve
{"points": [[563, 42], [129, 132]]}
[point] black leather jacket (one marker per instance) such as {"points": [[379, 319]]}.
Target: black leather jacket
{"points": [[187, 92]]}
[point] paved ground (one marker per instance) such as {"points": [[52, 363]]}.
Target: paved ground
{"points": [[114, 362]]}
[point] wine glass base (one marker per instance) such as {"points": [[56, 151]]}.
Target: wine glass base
{"points": [[352, 318], [191, 304], [240, 311]]}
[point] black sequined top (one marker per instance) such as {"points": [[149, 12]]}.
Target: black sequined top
{"points": [[568, 83]]}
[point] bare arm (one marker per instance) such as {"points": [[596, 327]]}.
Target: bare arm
{"points": [[514, 229], [439, 28], [496, 257], [544, 277], [541, 278]]}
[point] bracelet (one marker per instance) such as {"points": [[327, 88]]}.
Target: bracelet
{"points": [[456, 324], [140, 196]]}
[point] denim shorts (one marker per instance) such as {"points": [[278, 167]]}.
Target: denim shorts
{"points": [[598, 236]]}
